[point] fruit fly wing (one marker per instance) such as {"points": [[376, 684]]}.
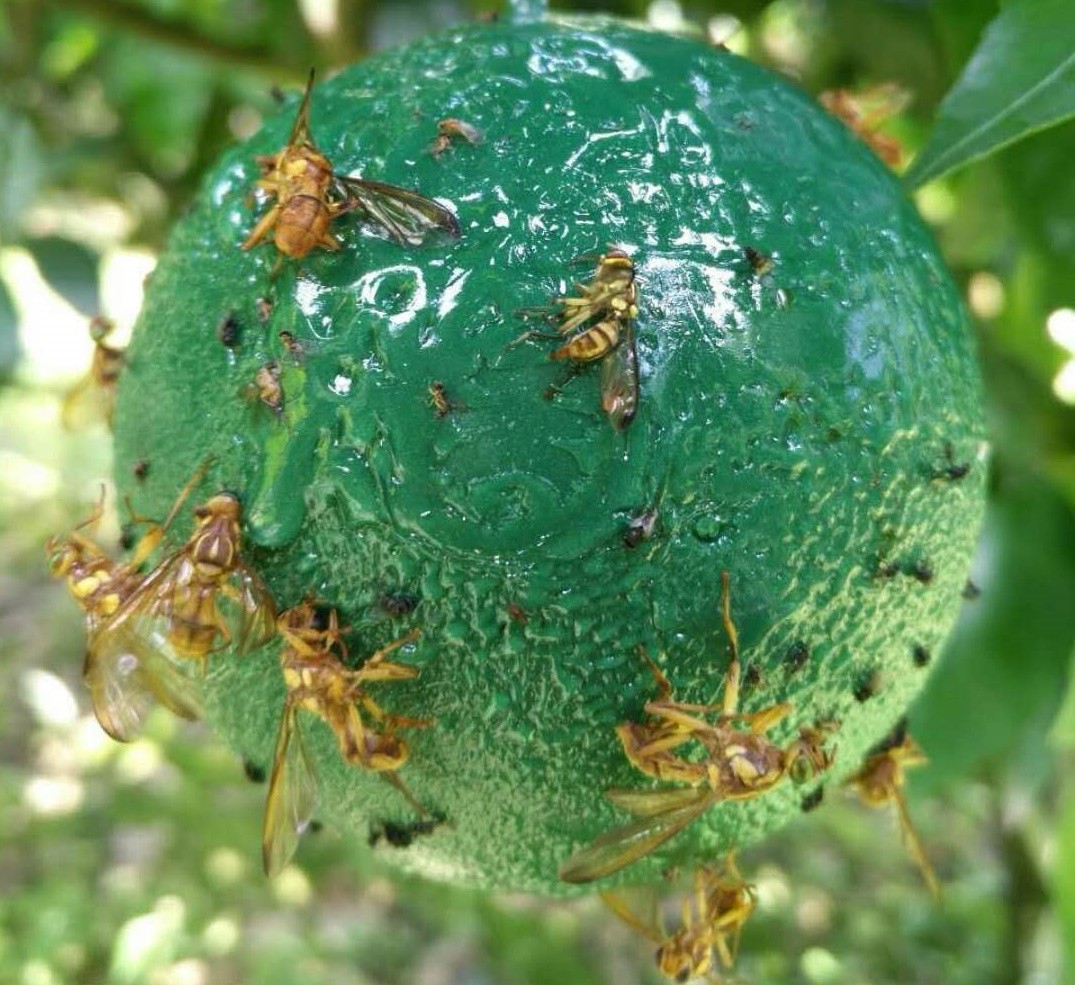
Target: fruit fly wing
{"points": [[87, 403], [147, 619], [405, 215], [119, 692], [619, 382], [622, 846], [248, 611], [625, 906], [648, 803], [127, 675], [292, 796], [300, 130], [143, 617]]}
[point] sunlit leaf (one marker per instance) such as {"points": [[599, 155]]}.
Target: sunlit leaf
{"points": [[1020, 80]]}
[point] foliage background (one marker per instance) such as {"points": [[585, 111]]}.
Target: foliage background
{"points": [[139, 864]]}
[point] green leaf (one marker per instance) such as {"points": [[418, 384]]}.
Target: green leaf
{"points": [[163, 96], [70, 269], [1020, 80], [1004, 674], [20, 170], [1064, 878], [9, 338], [960, 25]]}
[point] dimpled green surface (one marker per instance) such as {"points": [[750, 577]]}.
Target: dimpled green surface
{"points": [[789, 428]]}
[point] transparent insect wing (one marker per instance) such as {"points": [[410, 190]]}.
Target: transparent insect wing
{"points": [[647, 803], [118, 690], [300, 129], [87, 403], [292, 796], [144, 618], [619, 382], [636, 907], [625, 845], [127, 675], [247, 610], [405, 215]]}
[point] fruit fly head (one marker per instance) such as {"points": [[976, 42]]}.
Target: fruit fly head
{"points": [[807, 756]]}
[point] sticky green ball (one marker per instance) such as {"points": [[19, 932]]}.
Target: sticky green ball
{"points": [[802, 428]]}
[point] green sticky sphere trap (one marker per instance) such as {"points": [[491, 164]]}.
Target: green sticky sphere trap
{"points": [[806, 375]]}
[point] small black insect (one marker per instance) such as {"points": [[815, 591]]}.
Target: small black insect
{"points": [[885, 569], [951, 471], [797, 656], [141, 469], [868, 687], [921, 655], [397, 604], [254, 773], [971, 591], [897, 737], [920, 571], [402, 835], [128, 536], [760, 263], [812, 801], [229, 330], [752, 677], [639, 528]]}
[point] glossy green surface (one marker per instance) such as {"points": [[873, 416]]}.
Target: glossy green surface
{"points": [[789, 430]]}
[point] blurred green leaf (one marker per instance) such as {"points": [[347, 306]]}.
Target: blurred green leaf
{"points": [[1037, 175], [1020, 80], [147, 942], [9, 337], [163, 97], [21, 169], [72, 46], [70, 270], [1064, 878], [1005, 670], [960, 25]]}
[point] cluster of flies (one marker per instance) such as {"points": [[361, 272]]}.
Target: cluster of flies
{"points": [[152, 632], [153, 628]]}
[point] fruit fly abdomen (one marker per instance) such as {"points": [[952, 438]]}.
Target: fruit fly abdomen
{"points": [[303, 224], [591, 344]]}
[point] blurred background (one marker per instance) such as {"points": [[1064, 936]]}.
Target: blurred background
{"points": [[140, 864]]}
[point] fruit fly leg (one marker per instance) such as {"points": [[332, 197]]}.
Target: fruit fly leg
{"points": [[376, 668], [761, 721], [262, 229], [391, 722], [155, 533], [95, 515], [395, 781], [731, 680]]}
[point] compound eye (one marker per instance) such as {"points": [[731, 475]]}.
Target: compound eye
{"points": [[801, 770], [683, 975]]}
